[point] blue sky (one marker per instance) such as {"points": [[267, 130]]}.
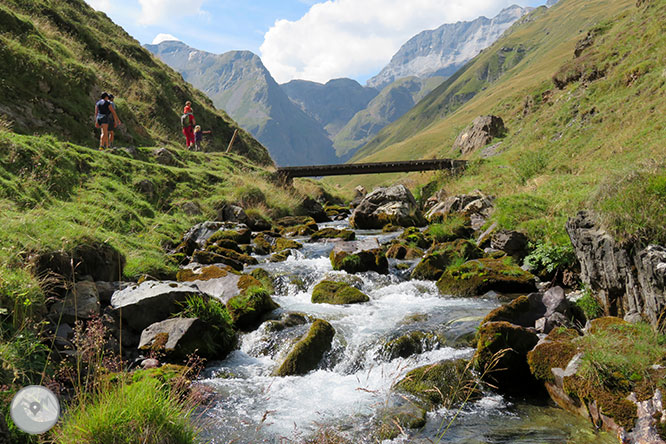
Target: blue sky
{"points": [[315, 40]]}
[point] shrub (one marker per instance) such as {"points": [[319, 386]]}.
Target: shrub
{"points": [[589, 305], [548, 259]]}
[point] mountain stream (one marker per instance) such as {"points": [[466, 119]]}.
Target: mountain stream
{"points": [[351, 388]]}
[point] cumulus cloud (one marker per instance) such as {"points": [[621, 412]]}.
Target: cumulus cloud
{"points": [[100, 5], [348, 38], [155, 12], [159, 38]]}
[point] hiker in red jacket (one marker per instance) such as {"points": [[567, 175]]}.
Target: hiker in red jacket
{"points": [[188, 122]]}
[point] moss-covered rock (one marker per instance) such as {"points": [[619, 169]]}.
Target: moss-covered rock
{"points": [[333, 233], [337, 293], [225, 243], [288, 320], [391, 228], [300, 230], [402, 250], [523, 311], [334, 211], [239, 257], [393, 420], [308, 352], [411, 343], [368, 260], [265, 279], [413, 236], [284, 244], [241, 236], [281, 256], [549, 355], [204, 273], [263, 243], [476, 277], [292, 221], [248, 308], [447, 384], [501, 357], [208, 258], [442, 255]]}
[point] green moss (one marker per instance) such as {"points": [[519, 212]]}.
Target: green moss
{"points": [[239, 237], [449, 229], [248, 308], [432, 266], [292, 221], [476, 277], [549, 355], [402, 250], [412, 343], [338, 293], [308, 352], [447, 384], [390, 228], [239, 257], [369, 260], [285, 244]]}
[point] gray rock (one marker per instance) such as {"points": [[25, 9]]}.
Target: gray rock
{"points": [[623, 281], [476, 206], [191, 208], [105, 290], [359, 194], [555, 301], [81, 302], [513, 243], [482, 131], [151, 302], [165, 157], [233, 213], [394, 205], [177, 337], [222, 289]]}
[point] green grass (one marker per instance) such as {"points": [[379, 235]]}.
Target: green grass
{"points": [[146, 411], [59, 56]]}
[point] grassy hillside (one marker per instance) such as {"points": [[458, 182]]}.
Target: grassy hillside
{"points": [[57, 57], [596, 141], [526, 55]]}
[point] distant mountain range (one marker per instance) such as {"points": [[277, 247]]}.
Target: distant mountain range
{"points": [[303, 122], [441, 52]]}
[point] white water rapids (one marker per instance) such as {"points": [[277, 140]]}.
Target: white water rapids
{"points": [[353, 382]]}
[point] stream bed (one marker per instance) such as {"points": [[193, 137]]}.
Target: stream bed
{"points": [[350, 390]]}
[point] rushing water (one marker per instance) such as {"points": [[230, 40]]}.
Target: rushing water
{"points": [[353, 383]]}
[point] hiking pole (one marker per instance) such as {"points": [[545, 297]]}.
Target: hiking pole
{"points": [[232, 140]]}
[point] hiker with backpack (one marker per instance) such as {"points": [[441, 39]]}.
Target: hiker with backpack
{"points": [[187, 122], [103, 113]]}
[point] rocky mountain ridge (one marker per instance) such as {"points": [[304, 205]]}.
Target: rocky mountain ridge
{"points": [[442, 51]]}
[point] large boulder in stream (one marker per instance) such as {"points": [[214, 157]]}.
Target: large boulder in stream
{"points": [[446, 383], [249, 308], [359, 256], [178, 338], [337, 293], [478, 276], [383, 206], [433, 264], [501, 357], [308, 352], [141, 305]]}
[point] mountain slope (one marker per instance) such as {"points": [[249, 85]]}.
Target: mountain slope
{"points": [[442, 51], [57, 57], [526, 55], [392, 102], [584, 120], [239, 83], [332, 104]]}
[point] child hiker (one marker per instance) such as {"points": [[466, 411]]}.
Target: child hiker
{"points": [[198, 137]]}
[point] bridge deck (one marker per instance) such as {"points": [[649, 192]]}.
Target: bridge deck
{"points": [[370, 168]]}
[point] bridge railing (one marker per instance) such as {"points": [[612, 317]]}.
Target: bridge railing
{"points": [[289, 173]]}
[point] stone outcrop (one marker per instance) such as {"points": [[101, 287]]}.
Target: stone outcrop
{"points": [[81, 302], [628, 282], [97, 261], [394, 205], [308, 352], [479, 134], [476, 206]]}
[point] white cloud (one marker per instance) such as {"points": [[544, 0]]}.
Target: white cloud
{"points": [[349, 38], [100, 5], [159, 38], [155, 12]]}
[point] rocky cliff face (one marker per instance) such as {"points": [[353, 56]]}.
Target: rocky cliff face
{"points": [[238, 82], [442, 51], [630, 282]]}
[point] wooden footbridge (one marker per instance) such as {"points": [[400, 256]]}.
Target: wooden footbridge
{"points": [[405, 166]]}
